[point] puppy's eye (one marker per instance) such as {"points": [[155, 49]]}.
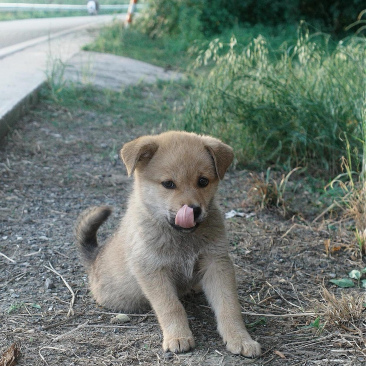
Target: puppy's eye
{"points": [[168, 184], [202, 182]]}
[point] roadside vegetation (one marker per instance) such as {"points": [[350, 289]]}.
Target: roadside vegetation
{"points": [[282, 95]]}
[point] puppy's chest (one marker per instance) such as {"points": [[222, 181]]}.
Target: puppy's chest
{"points": [[184, 271], [177, 255], [181, 262]]}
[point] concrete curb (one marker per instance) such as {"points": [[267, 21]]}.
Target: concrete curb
{"points": [[9, 119]]}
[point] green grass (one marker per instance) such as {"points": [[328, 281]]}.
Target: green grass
{"points": [[115, 39], [155, 103], [279, 97], [293, 107], [176, 52]]}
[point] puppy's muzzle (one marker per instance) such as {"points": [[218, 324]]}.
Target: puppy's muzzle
{"points": [[197, 211], [187, 218]]}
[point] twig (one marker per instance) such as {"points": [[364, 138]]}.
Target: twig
{"points": [[295, 225], [283, 298], [112, 326], [280, 315], [137, 315], [354, 331], [265, 300], [53, 348], [305, 344], [295, 292], [9, 259], [7, 168], [270, 360], [57, 324], [324, 212], [17, 277], [83, 325], [43, 359], [71, 311], [86, 325]]}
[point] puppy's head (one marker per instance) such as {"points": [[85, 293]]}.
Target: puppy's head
{"points": [[177, 174]]}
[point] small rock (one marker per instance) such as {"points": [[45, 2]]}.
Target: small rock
{"points": [[168, 355], [120, 319], [49, 284]]}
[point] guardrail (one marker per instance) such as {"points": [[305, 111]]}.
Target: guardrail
{"points": [[53, 7]]}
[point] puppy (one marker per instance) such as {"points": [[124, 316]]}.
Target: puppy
{"points": [[172, 239]]}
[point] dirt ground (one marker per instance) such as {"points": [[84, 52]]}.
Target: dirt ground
{"points": [[59, 162]]}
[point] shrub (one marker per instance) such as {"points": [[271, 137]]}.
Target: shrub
{"points": [[190, 19], [295, 110], [210, 17]]}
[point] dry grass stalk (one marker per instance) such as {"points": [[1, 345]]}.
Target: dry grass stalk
{"points": [[263, 193], [357, 206], [267, 192], [354, 202], [357, 210], [348, 310]]}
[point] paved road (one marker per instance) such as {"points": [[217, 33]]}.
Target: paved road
{"points": [[16, 31], [25, 64]]}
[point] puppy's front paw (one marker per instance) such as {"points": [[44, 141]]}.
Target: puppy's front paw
{"points": [[241, 344], [178, 344]]}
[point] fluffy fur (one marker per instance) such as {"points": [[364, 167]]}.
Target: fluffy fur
{"points": [[150, 261]]}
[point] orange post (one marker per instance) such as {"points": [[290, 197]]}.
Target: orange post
{"points": [[131, 10]]}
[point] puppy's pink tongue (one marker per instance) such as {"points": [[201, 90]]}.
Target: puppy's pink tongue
{"points": [[185, 217]]}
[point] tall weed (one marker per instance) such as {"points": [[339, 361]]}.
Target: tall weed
{"points": [[291, 110]]}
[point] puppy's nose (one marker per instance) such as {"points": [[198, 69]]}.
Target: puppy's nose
{"points": [[196, 211]]}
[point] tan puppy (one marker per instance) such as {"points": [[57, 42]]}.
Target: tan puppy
{"points": [[171, 239]]}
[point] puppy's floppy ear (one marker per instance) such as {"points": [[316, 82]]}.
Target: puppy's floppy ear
{"points": [[140, 150], [221, 153]]}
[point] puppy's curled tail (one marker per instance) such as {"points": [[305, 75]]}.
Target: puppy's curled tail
{"points": [[86, 232]]}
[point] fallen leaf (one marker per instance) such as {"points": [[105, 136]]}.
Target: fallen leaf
{"points": [[278, 353], [344, 282], [355, 274], [10, 356], [336, 248]]}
